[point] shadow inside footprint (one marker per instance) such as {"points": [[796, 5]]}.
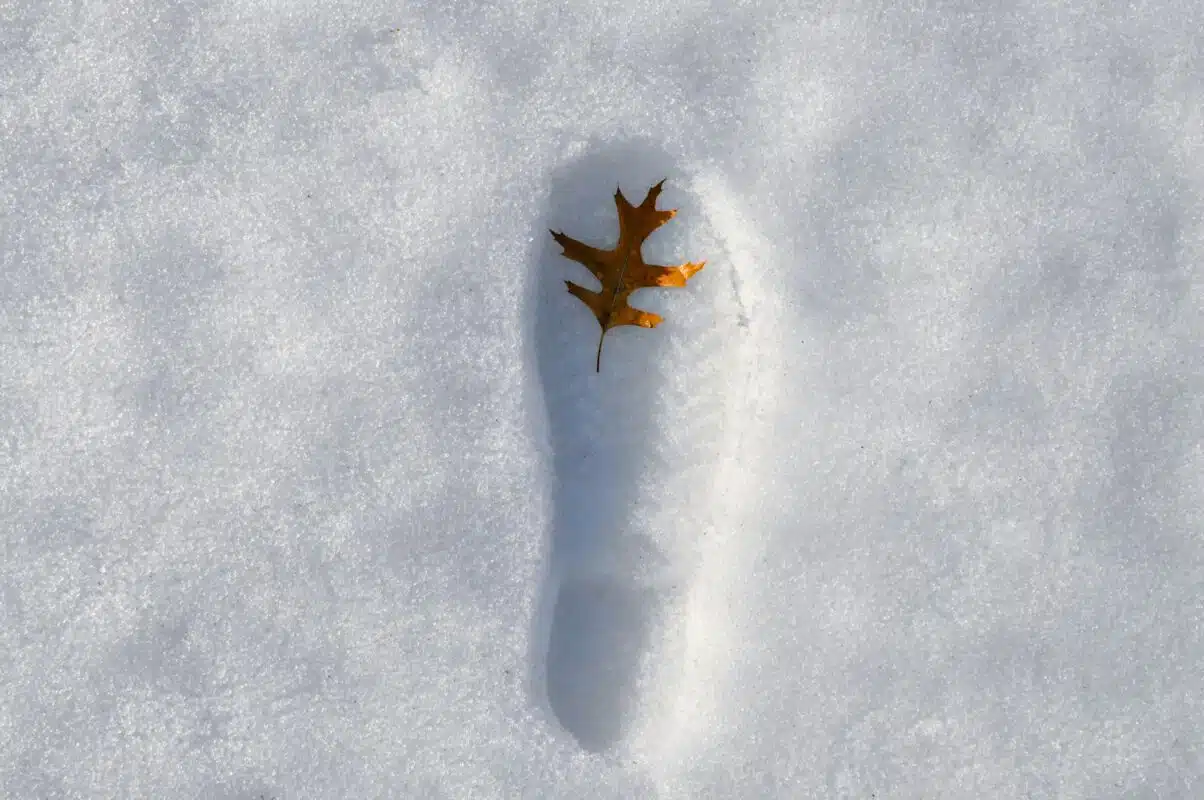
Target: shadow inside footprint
{"points": [[599, 631], [601, 599]]}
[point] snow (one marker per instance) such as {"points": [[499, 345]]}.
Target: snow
{"points": [[308, 487]]}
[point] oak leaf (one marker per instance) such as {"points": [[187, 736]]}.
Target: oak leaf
{"points": [[622, 270]]}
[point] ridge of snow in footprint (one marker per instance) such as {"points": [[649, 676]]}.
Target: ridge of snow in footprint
{"points": [[638, 455]]}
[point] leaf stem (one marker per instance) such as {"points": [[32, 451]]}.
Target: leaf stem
{"points": [[614, 299]]}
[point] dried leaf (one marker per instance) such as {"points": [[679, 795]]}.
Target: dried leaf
{"points": [[622, 270]]}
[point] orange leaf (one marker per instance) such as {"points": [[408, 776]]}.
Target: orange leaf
{"points": [[622, 270]]}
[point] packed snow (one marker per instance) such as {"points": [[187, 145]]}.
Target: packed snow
{"points": [[309, 488]]}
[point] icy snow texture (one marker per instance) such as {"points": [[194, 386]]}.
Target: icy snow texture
{"points": [[308, 487]]}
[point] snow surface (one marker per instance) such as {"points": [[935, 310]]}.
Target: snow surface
{"points": [[308, 487]]}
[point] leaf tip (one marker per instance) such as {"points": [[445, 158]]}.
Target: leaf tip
{"points": [[653, 193]]}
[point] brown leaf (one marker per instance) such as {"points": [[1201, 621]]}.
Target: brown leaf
{"points": [[622, 270]]}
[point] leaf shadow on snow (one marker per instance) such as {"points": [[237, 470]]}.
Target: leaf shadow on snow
{"points": [[598, 611]]}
